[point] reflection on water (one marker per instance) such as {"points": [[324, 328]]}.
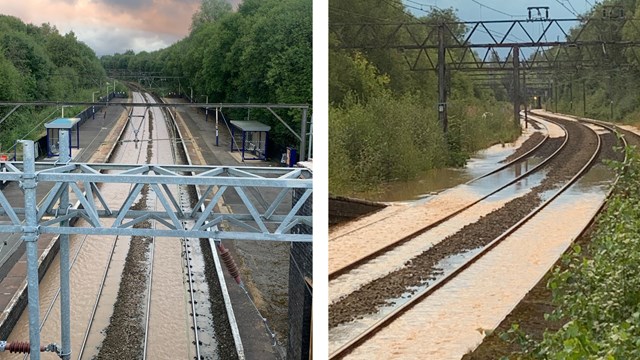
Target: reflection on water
{"points": [[436, 180], [86, 274], [476, 301]]}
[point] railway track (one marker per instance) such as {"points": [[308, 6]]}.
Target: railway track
{"points": [[394, 297], [493, 182], [152, 302], [481, 188]]}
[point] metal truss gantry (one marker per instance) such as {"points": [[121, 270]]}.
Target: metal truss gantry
{"points": [[270, 220], [473, 46], [85, 180]]}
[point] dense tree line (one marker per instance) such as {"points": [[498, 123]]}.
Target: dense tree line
{"points": [[39, 63], [261, 53], [383, 121], [605, 75]]}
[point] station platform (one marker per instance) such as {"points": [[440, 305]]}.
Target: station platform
{"points": [[96, 142], [264, 265]]}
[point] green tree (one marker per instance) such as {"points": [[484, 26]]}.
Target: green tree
{"points": [[210, 11]]}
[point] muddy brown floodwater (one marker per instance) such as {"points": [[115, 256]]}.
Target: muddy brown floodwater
{"points": [[530, 312], [126, 325], [118, 327], [422, 269]]}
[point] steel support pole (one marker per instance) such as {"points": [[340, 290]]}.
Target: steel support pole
{"points": [[571, 93], [303, 135], [526, 99], [442, 87], [309, 154], [555, 96], [65, 289], [217, 134], [584, 98], [516, 84], [30, 236]]}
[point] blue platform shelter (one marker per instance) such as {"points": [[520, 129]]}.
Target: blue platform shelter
{"points": [[250, 137], [53, 134]]}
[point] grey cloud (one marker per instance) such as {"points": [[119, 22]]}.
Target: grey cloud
{"points": [[107, 42], [126, 4]]}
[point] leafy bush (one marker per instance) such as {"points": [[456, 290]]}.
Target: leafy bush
{"points": [[397, 137]]}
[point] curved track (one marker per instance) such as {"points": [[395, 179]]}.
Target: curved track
{"points": [[493, 178], [442, 279], [506, 168]]}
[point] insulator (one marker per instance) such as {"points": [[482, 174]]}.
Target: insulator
{"points": [[231, 265], [20, 347]]}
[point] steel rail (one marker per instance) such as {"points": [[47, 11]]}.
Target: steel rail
{"points": [[98, 297], [516, 160], [104, 274], [194, 316], [219, 272], [57, 295], [378, 325], [466, 183], [335, 274]]}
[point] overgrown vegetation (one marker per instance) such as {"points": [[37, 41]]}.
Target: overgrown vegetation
{"points": [[383, 121], [608, 78], [39, 63], [596, 290], [259, 54]]}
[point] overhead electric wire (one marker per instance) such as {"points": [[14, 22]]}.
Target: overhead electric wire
{"points": [[490, 8], [574, 9], [420, 4], [569, 10], [356, 14]]}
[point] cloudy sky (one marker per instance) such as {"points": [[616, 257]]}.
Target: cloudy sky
{"points": [[475, 10], [110, 26]]}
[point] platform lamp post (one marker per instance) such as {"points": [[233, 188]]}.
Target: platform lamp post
{"points": [[62, 107], [217, 133], [206, 109], [93, 100]]}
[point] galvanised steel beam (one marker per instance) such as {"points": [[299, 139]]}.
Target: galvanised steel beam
{"points": [[158, 105], [263, 219], [474, 45], [478, 34]]}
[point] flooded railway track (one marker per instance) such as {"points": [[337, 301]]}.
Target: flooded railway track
{"points": [[163, 297], [380, 294], [347, 253], [496, 180]]}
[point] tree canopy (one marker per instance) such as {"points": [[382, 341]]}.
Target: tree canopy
{"points": [[40, 63], [262, 53], [383, 123]]}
